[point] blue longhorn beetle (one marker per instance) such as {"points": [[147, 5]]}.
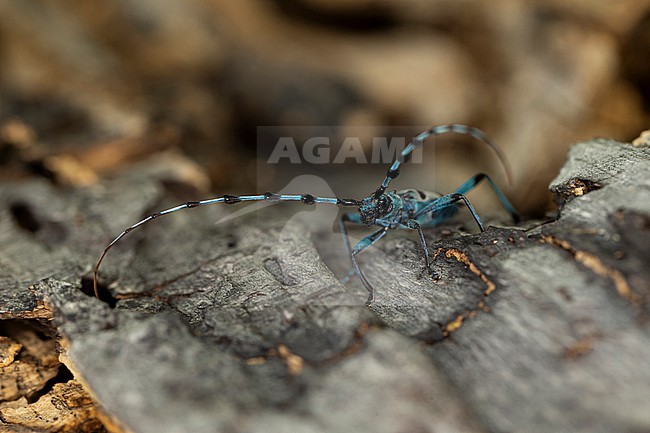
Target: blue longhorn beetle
{"points": [[407, 209]]}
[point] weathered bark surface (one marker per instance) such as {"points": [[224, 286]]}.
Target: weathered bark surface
{"points": [[243, 325]]}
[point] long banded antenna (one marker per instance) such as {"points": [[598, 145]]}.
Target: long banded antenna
{"points": [[458, 128], [226, 199]]}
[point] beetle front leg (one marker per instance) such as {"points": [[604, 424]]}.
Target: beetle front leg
{"points": [[414, 225], [359, 247]]}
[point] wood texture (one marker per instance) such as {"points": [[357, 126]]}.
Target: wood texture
{"points": [[243, 325]]}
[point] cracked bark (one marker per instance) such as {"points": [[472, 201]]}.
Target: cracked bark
{"points": [[244, 326]]}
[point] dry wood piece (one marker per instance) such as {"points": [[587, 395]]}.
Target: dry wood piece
{"points": [[67, 408], [246, 327], [27, 362], [36, 394], [243, 325]]}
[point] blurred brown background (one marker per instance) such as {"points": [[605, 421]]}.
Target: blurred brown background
{"points": [[87, 88]]}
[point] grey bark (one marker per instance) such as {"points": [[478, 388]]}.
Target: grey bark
{"points": [[243, 325]]}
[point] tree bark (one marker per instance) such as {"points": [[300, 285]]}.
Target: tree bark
{"points": [[244, 325]]}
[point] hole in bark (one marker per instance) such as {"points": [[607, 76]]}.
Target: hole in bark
{"points": [[232, 241], [51, 233], [25, 217], [102, 290]]}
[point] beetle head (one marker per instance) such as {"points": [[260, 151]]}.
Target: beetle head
{"points": [[372, 208]]}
